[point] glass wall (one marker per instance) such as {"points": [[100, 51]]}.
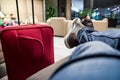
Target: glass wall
{"points": [[77, 6], [51, 8], [108, 9], [8, 8], [98, 10]]}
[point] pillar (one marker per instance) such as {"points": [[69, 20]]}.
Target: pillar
{"points": [[68, 9]]}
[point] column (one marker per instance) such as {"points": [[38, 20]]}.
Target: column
{"points": [[68, 9]]}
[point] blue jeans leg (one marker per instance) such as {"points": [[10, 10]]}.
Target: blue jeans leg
{"points": [[93, 47], [110, 37]]}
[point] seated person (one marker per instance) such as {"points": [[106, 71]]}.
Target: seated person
{"points": [[96, 56]]}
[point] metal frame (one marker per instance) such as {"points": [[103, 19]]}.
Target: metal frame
{"points": [[17, 6]]}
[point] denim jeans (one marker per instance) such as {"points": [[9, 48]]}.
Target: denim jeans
{"points": [[97, 68], [93, 48], [111, 37]]}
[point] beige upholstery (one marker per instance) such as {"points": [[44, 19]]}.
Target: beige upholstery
{"points": [[1, 54], [100, 25], [3, 71], [60, 25]]}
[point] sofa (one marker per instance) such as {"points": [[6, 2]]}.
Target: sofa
{"points": [[1, 54], [2, 64], [100, 25], [60, 25]]}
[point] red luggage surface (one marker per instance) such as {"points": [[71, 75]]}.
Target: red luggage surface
{"points": [[27, 49]]}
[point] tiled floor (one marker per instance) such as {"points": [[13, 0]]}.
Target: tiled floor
{"points": [[60, 49]]}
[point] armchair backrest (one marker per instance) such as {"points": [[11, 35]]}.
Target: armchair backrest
{"points": [[58, 25], [100, 25]]}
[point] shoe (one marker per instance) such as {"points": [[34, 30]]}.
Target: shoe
{"points": [[87, 22], [70, 39]]}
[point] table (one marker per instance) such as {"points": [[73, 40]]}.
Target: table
{"points": [[45, 73]]}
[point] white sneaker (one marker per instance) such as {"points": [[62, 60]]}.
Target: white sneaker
{"points": [[70, 39]]}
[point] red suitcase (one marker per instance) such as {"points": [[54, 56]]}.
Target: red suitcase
{"points": [[27, 49]]}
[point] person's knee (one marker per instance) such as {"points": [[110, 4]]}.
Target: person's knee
{"points": [[91, 48]]}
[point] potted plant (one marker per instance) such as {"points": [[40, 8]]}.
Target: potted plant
{"points": [[85, 12], [112, 20], [50, 12]]}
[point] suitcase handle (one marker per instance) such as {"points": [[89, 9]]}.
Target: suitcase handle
{"points": [[33, 11], [18, 12], [17, 6]]}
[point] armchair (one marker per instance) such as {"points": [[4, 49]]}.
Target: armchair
{"points": [[100, 25], [60, 25]]}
